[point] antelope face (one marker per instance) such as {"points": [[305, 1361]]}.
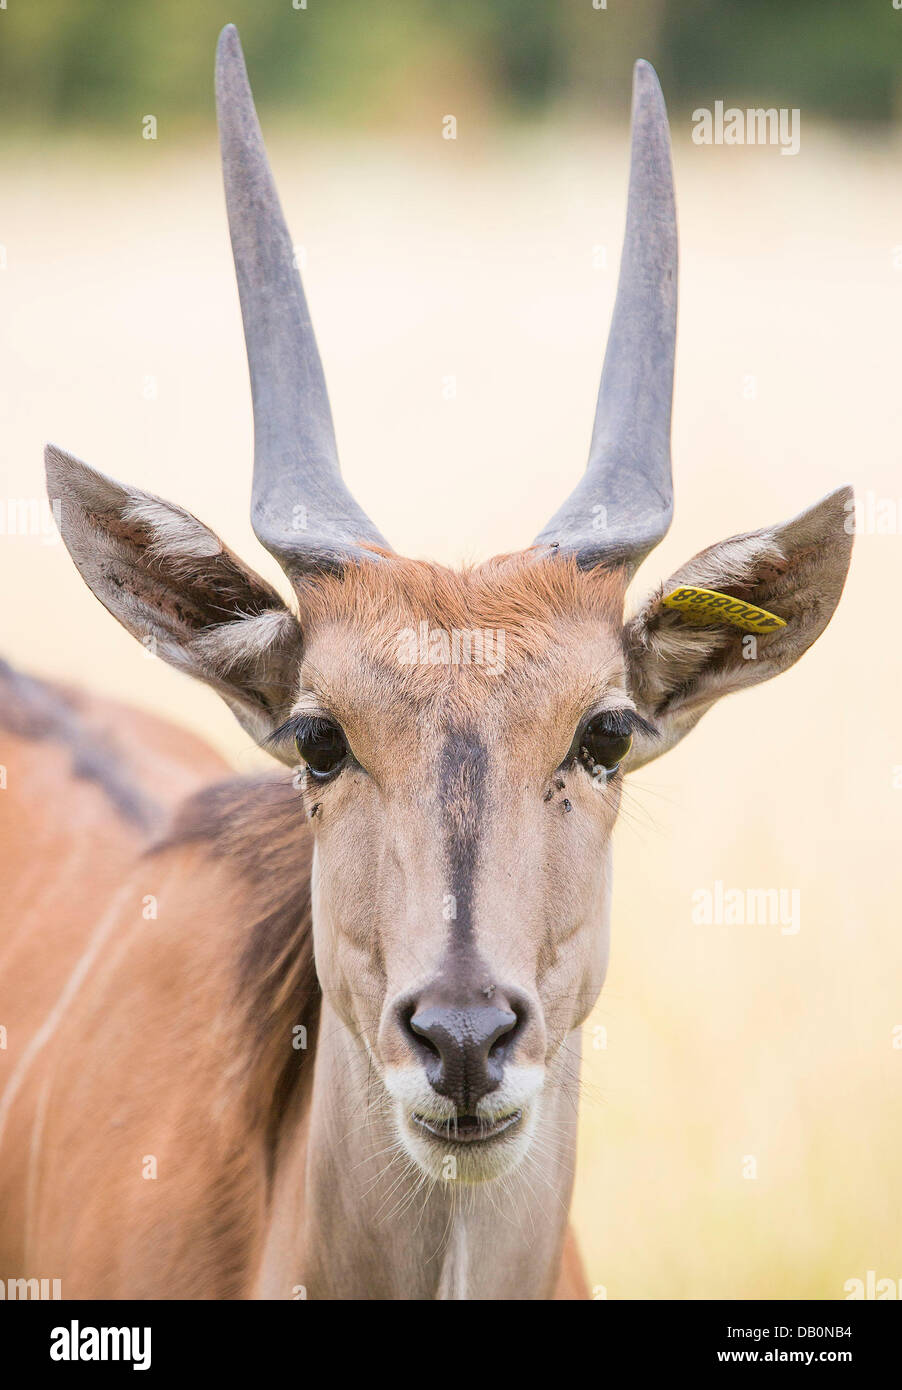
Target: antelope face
{"points": [[462, 809], [463, 812]]}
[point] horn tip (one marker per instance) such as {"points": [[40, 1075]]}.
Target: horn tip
{"points": [[228, 48], [646, 82], [232, 85], [228, 37]]}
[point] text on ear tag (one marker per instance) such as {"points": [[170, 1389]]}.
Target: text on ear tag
{"points": [[707, 606]]}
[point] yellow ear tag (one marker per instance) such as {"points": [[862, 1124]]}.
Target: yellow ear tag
{"points": [[707, 606]]}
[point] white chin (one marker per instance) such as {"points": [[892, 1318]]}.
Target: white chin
{"points": [[494, 1150]]}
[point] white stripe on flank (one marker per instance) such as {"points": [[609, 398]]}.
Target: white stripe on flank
{"points": [[54, 1018], [31, 1188]]}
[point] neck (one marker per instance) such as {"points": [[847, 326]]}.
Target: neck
{"points": [[352, 1218]]}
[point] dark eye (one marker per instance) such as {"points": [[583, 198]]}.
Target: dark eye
{"points": [[606, 740], [322, 746]]}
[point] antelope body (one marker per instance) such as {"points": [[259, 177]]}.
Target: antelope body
{"points": [[317, 1034]]}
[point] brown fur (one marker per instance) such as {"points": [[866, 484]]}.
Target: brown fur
{"points": [[167, 1038], [536, 597], [95, 1107], [258, 827]]}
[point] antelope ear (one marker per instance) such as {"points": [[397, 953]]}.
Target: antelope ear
{"points": [[677, 669], [179, 590]]}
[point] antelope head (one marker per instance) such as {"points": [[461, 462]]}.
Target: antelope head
{"points": [[463, 736]]}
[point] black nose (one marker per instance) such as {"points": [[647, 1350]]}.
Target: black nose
{"points": [[463, 1047]]}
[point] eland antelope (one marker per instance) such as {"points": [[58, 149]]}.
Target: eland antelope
{"points": [[316, 1033]]}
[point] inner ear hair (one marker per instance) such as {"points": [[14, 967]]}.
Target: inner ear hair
{"points": [[796, 571], [175, 586]]}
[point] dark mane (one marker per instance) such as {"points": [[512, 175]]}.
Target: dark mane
{"points": [[36, 709], [258, 826]]}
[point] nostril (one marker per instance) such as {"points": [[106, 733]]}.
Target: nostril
{"points": [[416, 1026], [499, 1044], [509, 1029], [420, 1028]]}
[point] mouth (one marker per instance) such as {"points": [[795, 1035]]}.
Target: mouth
{"points": [[468, 1129]]}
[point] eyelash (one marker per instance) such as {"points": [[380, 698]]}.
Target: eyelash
{"points": [[321, 745], [298, 727], [621, 722], [618, 723]]}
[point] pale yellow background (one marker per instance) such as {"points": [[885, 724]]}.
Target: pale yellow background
{"points": [[474, 260]]}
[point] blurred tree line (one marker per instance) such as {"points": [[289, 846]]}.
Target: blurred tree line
{"points": [[109, 62]]}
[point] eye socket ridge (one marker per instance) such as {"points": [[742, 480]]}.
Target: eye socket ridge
{"points": [[320, 742]]}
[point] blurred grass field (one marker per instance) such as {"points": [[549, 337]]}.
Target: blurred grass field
{"points": [[462, 300]]}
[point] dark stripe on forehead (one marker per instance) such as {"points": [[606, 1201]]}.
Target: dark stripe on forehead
{"points": [[462, 775]]}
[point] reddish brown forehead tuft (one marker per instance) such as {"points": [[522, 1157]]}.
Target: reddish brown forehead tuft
{"points": [[533, 597]]}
